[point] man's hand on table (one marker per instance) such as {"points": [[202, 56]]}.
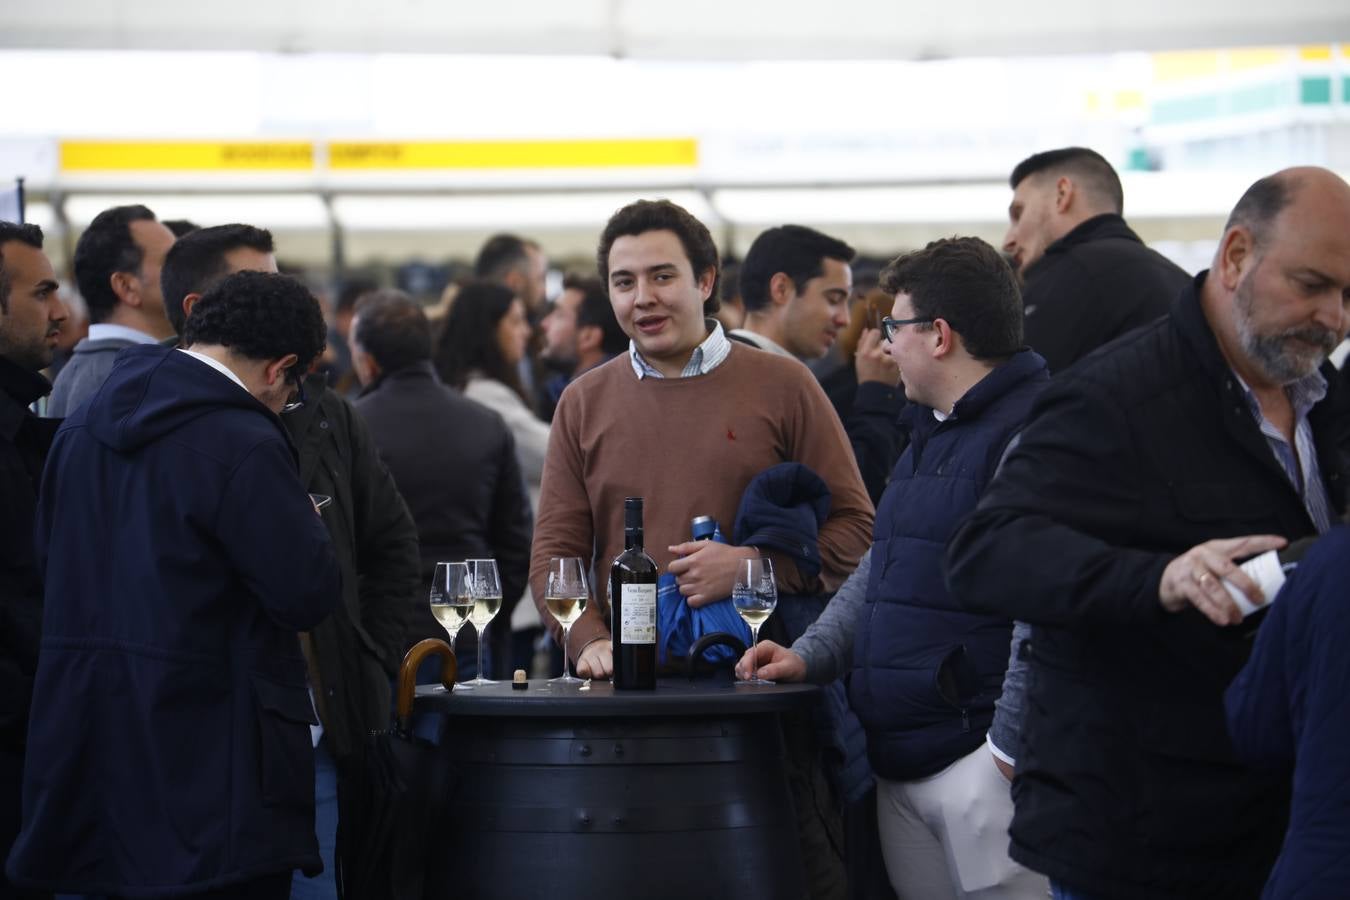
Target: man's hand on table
{"points": [[776, 663], [596, 659], [706, 570]]}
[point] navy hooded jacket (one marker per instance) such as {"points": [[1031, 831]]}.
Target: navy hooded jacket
{"points": [[169, 749], [926, 672], [1287, 705]]}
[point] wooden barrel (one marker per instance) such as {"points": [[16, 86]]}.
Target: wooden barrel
{"points": [[678, 798]]}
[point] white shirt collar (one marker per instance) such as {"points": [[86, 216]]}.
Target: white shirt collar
{"points": [[217, 365], [706, 356]]}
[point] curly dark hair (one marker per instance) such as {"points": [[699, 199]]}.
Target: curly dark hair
{"points": [[643, 216], [469, 339], [969, 284], [24, 234], [196, 263], [259, 315], [105, 248]]}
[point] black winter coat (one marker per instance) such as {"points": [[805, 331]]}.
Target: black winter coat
{"points": [[1127, 784], [24, 442], [455, 460], [1093, 285], [358, 648]]}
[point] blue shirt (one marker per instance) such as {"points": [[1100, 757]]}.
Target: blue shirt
{"points": [[1300, 460]]}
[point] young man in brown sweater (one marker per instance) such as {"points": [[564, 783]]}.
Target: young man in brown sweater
{"points": [[685, 419]]}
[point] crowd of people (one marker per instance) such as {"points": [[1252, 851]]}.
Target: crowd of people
{"points": [[1061, 532]]}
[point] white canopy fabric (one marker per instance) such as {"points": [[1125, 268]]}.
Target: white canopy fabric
{"points": [[685, 30]]}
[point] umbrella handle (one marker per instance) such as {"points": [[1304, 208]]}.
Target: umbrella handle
{"points": [[407, 674], [713, 639]]}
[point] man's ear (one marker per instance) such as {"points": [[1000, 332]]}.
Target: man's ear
{"points": [[126, 287], [278, 369], [706, 282], [589, 338], [1237, 252], [1065, 191], [781, 289], [946, 338], [188, 302]]}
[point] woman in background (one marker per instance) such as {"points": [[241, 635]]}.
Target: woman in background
{"points": [[479, 351]]}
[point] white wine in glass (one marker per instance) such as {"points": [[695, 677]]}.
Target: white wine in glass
{"points": [[485, 586], [565, 596], [450, 598], [755, 596]]}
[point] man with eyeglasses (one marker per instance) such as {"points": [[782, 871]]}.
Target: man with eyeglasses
{"points": [[168, 750], [1144, 476], [353, 653], [925, 676]]}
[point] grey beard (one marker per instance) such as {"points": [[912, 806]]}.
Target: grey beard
{"points": [[1272, 353]]}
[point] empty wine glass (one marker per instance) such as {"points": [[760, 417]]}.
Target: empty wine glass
{"points": [[755, 595], [485, 586], [451, 601], [565, 596]]}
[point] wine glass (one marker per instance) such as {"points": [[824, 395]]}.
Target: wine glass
{"points": [[451, 601], [565, 596], [485, 586], [755, 595]]}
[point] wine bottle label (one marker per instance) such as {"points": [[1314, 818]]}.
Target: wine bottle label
{"points": [[638, 603]]}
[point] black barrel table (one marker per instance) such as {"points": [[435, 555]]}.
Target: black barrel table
{"points": [[563, 793]]}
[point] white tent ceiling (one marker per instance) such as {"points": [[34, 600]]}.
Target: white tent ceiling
{"points": [[675, 29]]}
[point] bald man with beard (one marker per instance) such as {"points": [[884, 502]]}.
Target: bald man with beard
{"points": [[1144, 476]]}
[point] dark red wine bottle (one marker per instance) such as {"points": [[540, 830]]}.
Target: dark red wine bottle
{"points": [[632, 606]]}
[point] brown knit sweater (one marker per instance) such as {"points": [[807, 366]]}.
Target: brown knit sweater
{"points": [[688, 447]]}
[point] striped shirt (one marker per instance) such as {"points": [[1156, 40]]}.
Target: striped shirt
{"points": [[707, 356], [1300, 460]]}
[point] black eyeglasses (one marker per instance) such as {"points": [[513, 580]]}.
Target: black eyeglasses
{"points": [[297, 400], [890, 326]]}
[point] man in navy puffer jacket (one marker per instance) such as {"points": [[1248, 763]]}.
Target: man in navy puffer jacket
{"points": [[925, 673]]}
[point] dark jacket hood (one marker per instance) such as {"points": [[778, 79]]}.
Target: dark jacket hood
{"points": [[154, 390]]}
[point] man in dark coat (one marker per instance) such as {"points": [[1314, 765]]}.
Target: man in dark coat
{"points": [[1287, 707], [31, 313], [353, 653], [454, 459], [1208, 436], [169, 749], [1088, 278]]}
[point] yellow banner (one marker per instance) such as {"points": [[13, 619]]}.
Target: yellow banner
{"points": [[569, 154], [186, 156]]}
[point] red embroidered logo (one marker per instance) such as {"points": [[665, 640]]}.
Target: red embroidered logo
{"points": [[731, 435]]}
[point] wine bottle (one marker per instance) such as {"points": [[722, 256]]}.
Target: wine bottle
{"points": [[632, 606]]}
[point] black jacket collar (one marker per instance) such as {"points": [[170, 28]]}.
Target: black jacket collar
{"points": [[1097, 228], [18, 388]]}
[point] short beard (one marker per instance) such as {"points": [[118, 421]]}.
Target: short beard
{"points": [[1286, 356], [34, 356]]}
